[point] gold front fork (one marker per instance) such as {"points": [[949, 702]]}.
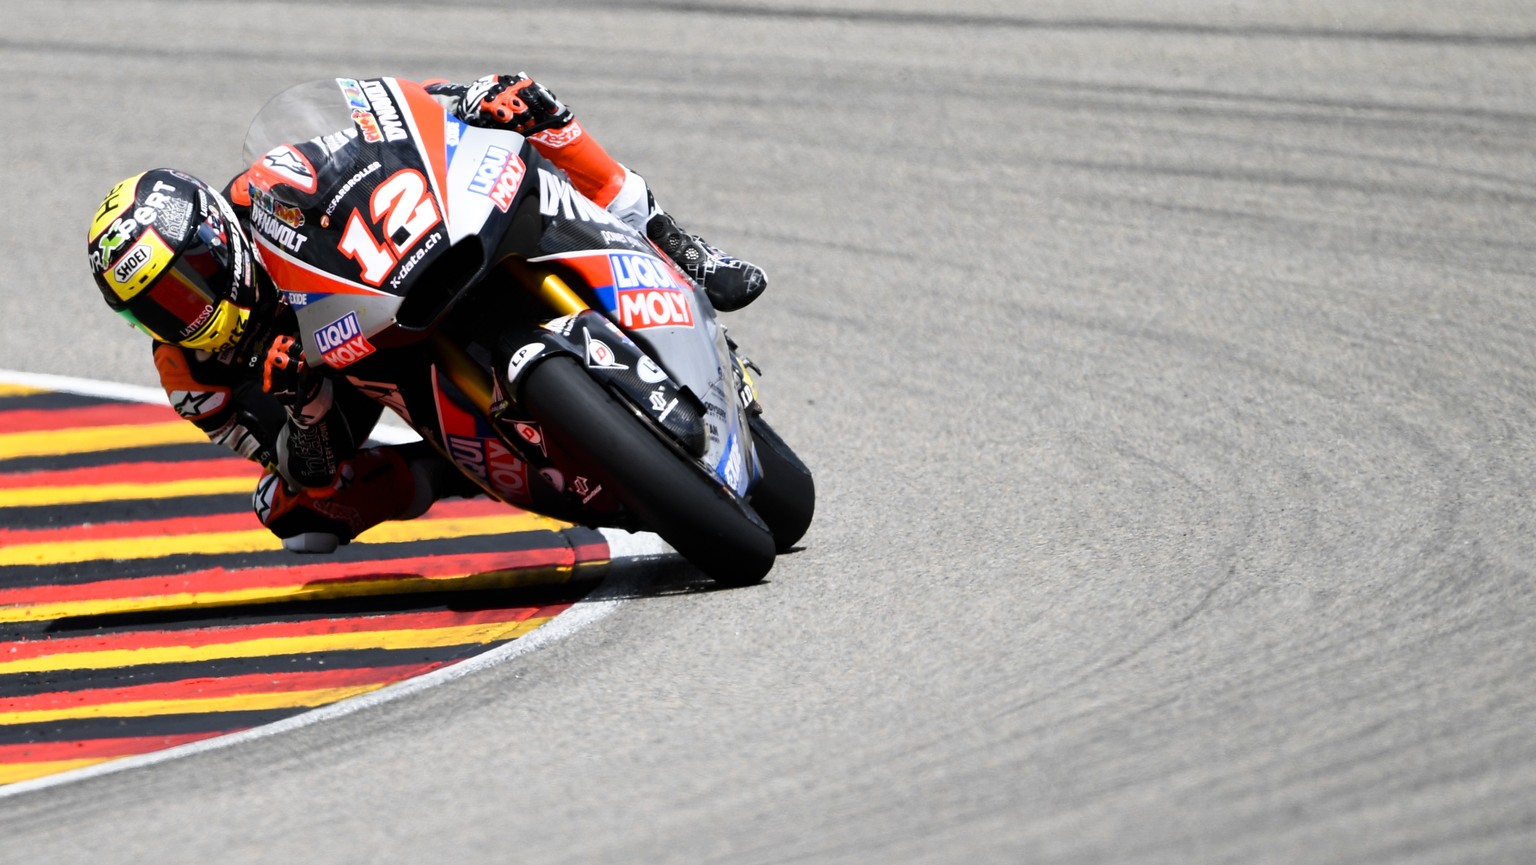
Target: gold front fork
{"points": [[547, 287], [472, 379]]}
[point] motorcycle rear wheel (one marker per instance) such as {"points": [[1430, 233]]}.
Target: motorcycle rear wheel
{"points": [[697, 516]]}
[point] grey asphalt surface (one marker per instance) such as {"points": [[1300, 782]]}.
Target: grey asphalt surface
{"points": [[1167, 371]]}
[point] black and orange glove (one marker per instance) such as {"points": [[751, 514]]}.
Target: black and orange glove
{"points": [[514, 102], [284, 374]]}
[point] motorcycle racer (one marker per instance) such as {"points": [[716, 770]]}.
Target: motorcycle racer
{"points": [[173, 256]]}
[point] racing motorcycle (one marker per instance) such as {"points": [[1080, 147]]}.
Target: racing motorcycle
{"points": [[550, 351]]}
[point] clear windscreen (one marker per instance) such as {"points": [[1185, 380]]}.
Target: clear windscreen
{"points": [[300, 113]]}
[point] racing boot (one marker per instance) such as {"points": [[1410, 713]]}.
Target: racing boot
{"points": [[375, 486], [730, 282]]}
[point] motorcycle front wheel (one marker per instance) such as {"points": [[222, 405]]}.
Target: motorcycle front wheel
{"points": [[669, 495], [785, 496]]}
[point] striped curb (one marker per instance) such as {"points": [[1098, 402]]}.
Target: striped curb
{"points": [[144, 611]]}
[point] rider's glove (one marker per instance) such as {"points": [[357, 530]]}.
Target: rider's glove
{"points": [[288, 379], [514, 102], [284, 375]]}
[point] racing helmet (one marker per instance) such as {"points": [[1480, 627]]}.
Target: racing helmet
{"points": [[168, 254]]}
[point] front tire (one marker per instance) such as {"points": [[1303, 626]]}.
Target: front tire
{"points": [[785, 496], [697, 516]]}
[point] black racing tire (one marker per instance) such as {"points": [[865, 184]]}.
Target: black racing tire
{"points": [[700, 518], [785, 496]]}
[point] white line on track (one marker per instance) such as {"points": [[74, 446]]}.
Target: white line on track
{"points": [[84, 386], [601, 603], [391, 430]]}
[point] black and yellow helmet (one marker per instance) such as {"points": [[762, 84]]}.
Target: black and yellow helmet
{"points": [[168, 254]]}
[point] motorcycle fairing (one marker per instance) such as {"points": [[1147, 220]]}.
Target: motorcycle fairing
{"points": [[669, 310], [475, 446], [673, 312], [732, 467], [410, 182], [617, 362], [485, 172], [639, 290]]}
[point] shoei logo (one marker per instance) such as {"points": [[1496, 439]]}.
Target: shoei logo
{"points": [[130, 263], [135, 269], [342, 342], [499, 175]]}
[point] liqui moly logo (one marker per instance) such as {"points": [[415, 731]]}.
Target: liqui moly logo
{"points": [[498, 177], [342, 343], [647, 293], [648, 307], [491, 462], [632, 270]]}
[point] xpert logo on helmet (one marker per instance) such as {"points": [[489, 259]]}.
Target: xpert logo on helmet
{"points": [[118, 200], [342, 343], [127, 214], [128, 254]]}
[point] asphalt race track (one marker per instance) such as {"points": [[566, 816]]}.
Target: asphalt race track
{"points": [[1167, 371]]}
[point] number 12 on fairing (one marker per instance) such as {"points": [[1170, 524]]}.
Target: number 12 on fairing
{"points": [[402, 207]]}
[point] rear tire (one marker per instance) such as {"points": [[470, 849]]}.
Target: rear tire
{"points": [[697, 516], [785, 497]]}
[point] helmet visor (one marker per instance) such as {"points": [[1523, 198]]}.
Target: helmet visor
{"points": [[189, 302]]}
